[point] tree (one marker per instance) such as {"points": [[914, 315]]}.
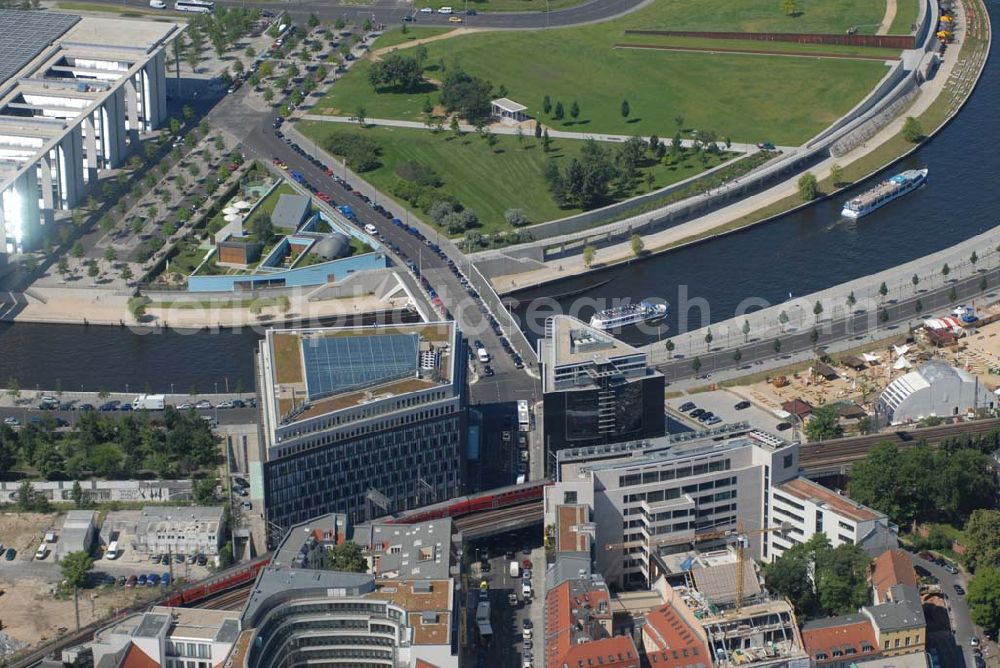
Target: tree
{"points": [[110, 254], [737, 355], [789, 7], [625, 109], [919, 306], [515, 217], [952, 294], [915, 280], [346, 557], [777, 346], [559, 112], [546, 142], [913, 132], [538, 130], [945, 270], [204, 490], [74, 567], [546, 105], [574, 110], [818, 309], [783, 320], [883, 290], [137, 307], [468, 95], [808, 187], [824, 423], [670, 345], [589, 253], [982, 540], [708, 339], [820, 580], [395, 71], [636, 244], [746, 331], [63, 266], [974, 258], [984, 599], [126, 272], [77, 251], [836, 174], [77, 494], [268, 94]]}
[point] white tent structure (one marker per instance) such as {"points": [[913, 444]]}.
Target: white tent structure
{"points": [[934, 388]]}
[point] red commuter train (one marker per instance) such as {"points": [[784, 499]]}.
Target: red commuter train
{"points": [[464, 505]]}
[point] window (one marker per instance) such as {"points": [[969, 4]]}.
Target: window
{"points": [[907, 641], [569, 498], [887, 644], [896, 644], [787, 461]]}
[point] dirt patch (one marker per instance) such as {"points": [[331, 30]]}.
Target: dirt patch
{"points": [[24, 531], [32, 614], [754, 52]]}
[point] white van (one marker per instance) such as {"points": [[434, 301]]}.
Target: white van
{"points": [[445, 10], [526, 590], [113, 552], [42, 551], [157, 4], [371, 229], [484, 356]]}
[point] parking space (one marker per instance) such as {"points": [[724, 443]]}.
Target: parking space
{"points": [[723, 404]]}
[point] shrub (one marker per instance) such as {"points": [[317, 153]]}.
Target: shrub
{"points": [[418, 173], [362, 153]]}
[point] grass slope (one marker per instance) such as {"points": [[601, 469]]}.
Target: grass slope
{"points": [[780, 99], [487, 182], [395, 37], [907, 12], [500, 5]]}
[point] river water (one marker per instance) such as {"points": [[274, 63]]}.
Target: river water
{"points": [[796, 254]]}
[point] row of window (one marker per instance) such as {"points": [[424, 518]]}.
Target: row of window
{"points": [[660, 495], [662, 475]]}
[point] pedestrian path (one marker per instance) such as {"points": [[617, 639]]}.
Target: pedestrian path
{"points": [[527, 128]]}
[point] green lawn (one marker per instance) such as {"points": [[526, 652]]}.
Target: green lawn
{"points": [[395, 36], [758, 46], [907, 12], [781, 99], [487, 182]]}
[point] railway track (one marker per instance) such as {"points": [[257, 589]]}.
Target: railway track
{"points": [[234, 599], [485, 520], [838, 454]]}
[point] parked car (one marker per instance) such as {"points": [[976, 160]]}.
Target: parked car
{"points": [[959, 590], [926, 556], [10, 554], [187, 405], [204, 403], [742, 405], [783, 426], [11, 421], [131, 581], [687, 406], [951, 568], [698, 412], [226, 404]]}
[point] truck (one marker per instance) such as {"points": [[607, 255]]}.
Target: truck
{"points": [[515, 569], [149, 402]]}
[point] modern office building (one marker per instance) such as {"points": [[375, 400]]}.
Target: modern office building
{"points": [[806, 508], [935, 388], [596, 389], [75, 94], [180, 530], [360, 420], [301, 613], [651, 499]]}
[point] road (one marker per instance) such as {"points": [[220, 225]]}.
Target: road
{"points": [[893, 316], [954, 648], [392, 13]]}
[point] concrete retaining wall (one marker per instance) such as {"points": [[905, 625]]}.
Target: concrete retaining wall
{"points": [[883, 41]]}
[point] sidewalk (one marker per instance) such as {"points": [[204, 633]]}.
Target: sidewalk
{"points": [[527, 128]]}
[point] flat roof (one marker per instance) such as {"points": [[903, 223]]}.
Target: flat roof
{"points": [[402, 551], [568, 519], [508, 105], [807, 490], [322, 370], [34, 30], [428, 629]]}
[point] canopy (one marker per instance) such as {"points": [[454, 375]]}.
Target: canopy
{"points": [[242, 204], [901, 363], [229, 210], [870, 357], [233, 217], [900, 350]]}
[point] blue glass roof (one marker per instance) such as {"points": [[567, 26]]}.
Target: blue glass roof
{"points": [[346, 363]]}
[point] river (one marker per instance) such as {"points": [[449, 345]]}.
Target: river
{"points": [[796, 254]]}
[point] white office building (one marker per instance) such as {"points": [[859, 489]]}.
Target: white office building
{"points": [[651, 498], [806, 508], [75, 94], [180, 530]]}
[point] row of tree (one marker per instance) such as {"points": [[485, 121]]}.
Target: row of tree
{"points": [[111, 448], [923, 483], [819, 579]]}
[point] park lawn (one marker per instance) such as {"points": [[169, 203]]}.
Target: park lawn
{"points": [[781, 99], [907, 13], [759, 46], [396, 36], [487, 182]]}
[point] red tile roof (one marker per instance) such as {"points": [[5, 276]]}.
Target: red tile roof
{"points": [[849, 638], [614, 652], [797, 407], [577, 614], [892, 567], [423, 664], [673, 641], [136, 658], [807, 490], [568, 517]]}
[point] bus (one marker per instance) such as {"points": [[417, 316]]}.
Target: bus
{"points": [[198, 6], [523, 416]]}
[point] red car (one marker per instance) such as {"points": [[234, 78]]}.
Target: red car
{"points": [[927, 556], [328, 171], [526, 564], [323, 196]]}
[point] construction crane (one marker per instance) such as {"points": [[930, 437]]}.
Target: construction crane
{"points": [[740, 536]]}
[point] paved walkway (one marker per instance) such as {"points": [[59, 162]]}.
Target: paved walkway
{"points": [[527, 129], [890, 16], [698, 228]]}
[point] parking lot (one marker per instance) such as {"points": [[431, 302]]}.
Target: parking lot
{"points": [[722, 404]]}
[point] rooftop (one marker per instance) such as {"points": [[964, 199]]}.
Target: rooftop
{"points": [[428, 604], [290, 211], [323, 370], [508, 105], [675, 642], [35, 30], [568, 521], [185, 518], [904, 611], [807, 490], [892, 567], [717, 583], [570, 343], [612, 652], [576, 611], [836, 639], [418, 551]]}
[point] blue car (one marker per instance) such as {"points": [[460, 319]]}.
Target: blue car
{"points": [[141, 580], [153, 580], [165, 579]]}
